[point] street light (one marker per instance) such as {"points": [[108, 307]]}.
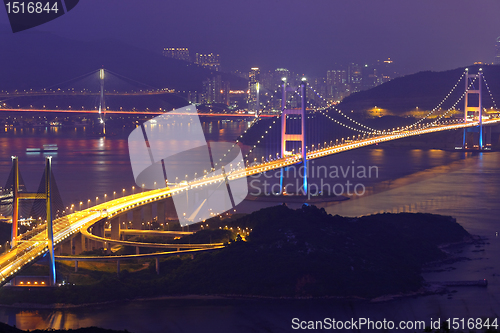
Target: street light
{"points": [[88, 203], [81, 205]]}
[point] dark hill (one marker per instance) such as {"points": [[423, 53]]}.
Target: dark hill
{"points": [[39, 60], [307, 252], [294, 253], [424, 90]]}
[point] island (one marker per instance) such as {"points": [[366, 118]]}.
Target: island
{"points": [[276, 252]]}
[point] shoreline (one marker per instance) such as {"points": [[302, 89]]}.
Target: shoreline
{"points": [[292, 198], [429, 288], [61, 306]]}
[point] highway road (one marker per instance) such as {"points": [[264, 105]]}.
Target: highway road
{"points": [[32, 246]]}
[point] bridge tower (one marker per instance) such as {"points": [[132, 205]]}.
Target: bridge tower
{"points": [[47, 196], [474, 90], [102, 105], [285, 137]]}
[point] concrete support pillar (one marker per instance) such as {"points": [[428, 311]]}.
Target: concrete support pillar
{"points": [[115, 228], [83, 243], [136, 219], [98, 230], [77, 243], [123, 221], [72, 245], [487, 136], [76, 266], [118, 267], [157, 261], [148, 215], [160, 212], [102, 229], [65, 247], [137, 251]]}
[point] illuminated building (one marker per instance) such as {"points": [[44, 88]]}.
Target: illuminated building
{"points": [[253, 89], [210, 60], [215, 91], [354, 77], [181, 53], [336, 84]]}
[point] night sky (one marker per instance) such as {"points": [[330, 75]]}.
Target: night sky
{"points": [[306, 36]]}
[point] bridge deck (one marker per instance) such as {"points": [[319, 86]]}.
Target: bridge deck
{"points": [[14, 260]]}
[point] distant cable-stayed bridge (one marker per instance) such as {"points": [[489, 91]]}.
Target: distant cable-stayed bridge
{"points": [[83, 93], [131, 112]]}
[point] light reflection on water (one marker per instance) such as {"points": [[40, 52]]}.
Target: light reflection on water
{"points": [[84, 166], [415, 180]]}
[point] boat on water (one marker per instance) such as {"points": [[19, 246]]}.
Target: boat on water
{"points": [[48, 148]]}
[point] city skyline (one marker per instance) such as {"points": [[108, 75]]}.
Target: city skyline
{"points": [[308, 38]]}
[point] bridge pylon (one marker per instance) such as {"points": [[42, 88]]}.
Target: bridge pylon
{"points": [[102, 105], [47, 196], [475, 82], [285, 137]]}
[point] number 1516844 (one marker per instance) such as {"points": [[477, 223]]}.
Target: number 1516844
{"points": [[22, 7]]}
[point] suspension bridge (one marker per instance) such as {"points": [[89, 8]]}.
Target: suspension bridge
{"points": [[85, 229]]}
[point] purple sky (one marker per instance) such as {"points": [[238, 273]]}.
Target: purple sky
{"points": [[307, 36]]}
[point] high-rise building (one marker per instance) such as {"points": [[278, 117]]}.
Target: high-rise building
{"points": [[210, 60], [181, 53], [496, 61], [336, 84], [368, 77], [193, 97], [354, 77], [253, 89], [224, 93], [215, 91], [319, 85], [385, 71], [266, 80]]}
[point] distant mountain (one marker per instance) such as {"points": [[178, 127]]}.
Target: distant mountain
{"points": [[39, 59], [424, 90]]}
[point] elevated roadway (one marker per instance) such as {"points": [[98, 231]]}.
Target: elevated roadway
{"points": [[34, 245]]}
